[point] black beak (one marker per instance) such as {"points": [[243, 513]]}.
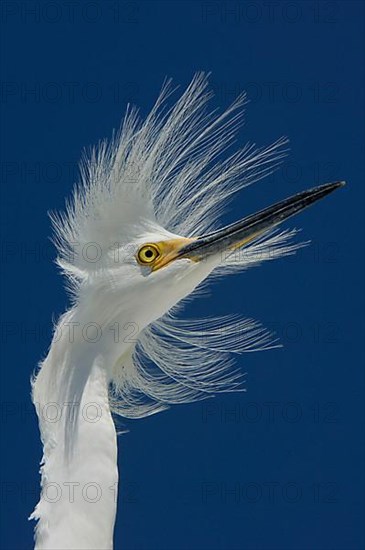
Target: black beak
{"points": [[239, 233]]}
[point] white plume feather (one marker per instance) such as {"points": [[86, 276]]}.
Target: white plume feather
{"points": [[169, 169]]}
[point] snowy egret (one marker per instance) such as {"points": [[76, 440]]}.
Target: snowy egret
{"points": [[140, 234]]}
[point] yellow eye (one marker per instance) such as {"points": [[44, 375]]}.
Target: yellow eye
{"points": [[148, 253]]}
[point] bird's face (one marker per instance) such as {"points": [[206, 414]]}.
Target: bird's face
{"points": [[165, 267], [158, 273]]}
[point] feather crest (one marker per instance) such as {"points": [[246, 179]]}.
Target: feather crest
{"points": [[170, 169]]}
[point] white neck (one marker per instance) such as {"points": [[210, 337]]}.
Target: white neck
{"points": [[78, 502]]}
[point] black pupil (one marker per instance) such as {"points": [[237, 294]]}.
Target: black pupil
{"points": [[148, 253]]}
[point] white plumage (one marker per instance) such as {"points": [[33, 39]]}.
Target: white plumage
{"points": [[122, 344]]}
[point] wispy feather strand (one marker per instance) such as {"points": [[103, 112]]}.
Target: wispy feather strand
{"points": [[169, 168]]}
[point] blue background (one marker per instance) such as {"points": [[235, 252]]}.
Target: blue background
{"points": [[278, 467]]}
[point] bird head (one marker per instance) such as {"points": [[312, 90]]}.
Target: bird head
{"points": [[142, 232]]}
